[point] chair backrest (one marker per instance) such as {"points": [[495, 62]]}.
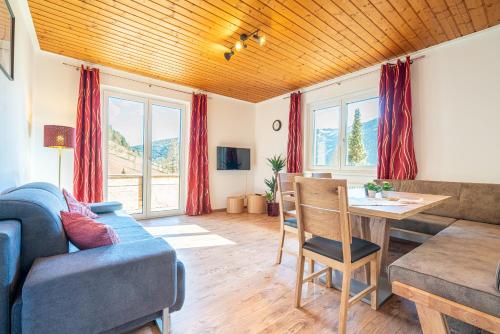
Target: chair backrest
{"points": [[322, 210], [322, 175], [286, 198]]}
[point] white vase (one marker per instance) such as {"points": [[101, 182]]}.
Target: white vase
{"points": [[372, 193]]}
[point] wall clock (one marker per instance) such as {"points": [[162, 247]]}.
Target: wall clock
{"points": [[277, 125]]}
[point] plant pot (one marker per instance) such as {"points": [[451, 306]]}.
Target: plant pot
{"points": [[273, 209], [387, 193], [371, 193]]}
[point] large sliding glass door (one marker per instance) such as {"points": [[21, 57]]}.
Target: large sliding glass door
{"points": [[144, 154]]}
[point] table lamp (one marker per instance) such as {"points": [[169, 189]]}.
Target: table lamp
{"points": [[58, 136]]}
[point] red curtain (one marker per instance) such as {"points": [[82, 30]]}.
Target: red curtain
{"points": [[87, 179], [294, 151], [396, 155], [198, 196]]}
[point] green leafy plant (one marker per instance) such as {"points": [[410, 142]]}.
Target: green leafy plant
{"points": [[271, 185], [387, 186], [277, 163], [373, 186]]}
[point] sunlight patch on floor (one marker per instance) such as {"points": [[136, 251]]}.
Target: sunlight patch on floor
{"points": [[159, 231], [196, 241]]}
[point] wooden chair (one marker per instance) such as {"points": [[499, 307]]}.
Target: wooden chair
{"points": [[286, 200], [322, 175], [322, 211]]}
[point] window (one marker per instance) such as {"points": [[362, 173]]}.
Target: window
{"points": [[144, 154], [343, 133], [361, 133], [326, 130]]}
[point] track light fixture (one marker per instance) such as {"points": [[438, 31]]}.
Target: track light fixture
{"points": [[256, 36]]}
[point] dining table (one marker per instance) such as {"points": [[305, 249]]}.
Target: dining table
{"points": [[371, 220]]}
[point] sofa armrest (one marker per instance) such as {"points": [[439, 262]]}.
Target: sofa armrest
{"points": [[10, 255], [105, 207], [99, 289]]}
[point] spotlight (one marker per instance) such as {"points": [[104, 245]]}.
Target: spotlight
{"points": [[262, 40], [238, 46], [242, 43], [228, 55]]}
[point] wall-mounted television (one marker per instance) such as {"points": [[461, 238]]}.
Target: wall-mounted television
{"points": [[233, 158]]}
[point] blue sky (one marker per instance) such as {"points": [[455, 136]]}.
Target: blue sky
{"points": [[127, 117]]}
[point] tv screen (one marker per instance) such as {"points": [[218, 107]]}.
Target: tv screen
{"points": [[233, 158]]}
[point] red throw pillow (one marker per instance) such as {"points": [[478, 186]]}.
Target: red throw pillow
{"points": [[85, 233], [75, 206]]}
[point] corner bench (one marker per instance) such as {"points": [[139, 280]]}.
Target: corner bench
{"points": [[453, 274]]}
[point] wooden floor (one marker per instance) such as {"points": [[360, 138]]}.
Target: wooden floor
{"points": [[234, 286]]}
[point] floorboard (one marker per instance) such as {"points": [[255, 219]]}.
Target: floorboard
{"points": [[234, 286]]}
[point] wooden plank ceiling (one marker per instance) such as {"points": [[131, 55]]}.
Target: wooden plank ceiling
{"points": [[183, 41]]}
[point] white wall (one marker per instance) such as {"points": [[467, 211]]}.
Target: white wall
{"points": [[456, 108], [15, 107], [230, 121], [456, 112]]}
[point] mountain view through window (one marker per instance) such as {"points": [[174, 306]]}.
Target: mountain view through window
{"points": [[361, 128]]}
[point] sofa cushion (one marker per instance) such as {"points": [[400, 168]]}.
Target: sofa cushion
{"points": [[125, 227], [86, 233], [75, 206], [333, 249], [480, 202], [37, 207], [423, 223], [458, 264]]}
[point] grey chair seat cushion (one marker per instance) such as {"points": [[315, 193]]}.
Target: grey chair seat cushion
{"points": [[459, 264], [333, 249], [423, 223], [292, 222]]}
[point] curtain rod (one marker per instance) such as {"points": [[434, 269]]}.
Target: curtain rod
{"points": [[138, 81], [347, 79]]}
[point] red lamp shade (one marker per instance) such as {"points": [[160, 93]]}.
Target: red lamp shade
{"points": [[58, 136]]}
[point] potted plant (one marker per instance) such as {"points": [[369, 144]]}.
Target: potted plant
{"points": [[272, 205], [386, 188], [372, 189], [277, 163]]}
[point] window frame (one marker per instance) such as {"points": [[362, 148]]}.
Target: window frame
{"points": [[340, 165], [148, 100]]}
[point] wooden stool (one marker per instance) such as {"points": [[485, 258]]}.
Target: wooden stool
{"points": [[256, 204], [235, 204]]}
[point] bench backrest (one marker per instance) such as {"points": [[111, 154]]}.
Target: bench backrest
{"points": [[469, 201]]}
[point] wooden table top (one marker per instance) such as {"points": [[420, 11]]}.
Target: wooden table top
{"points": [[397, 212]]}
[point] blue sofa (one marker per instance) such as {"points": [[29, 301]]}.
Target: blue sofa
{"points": [[49, 286]]}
